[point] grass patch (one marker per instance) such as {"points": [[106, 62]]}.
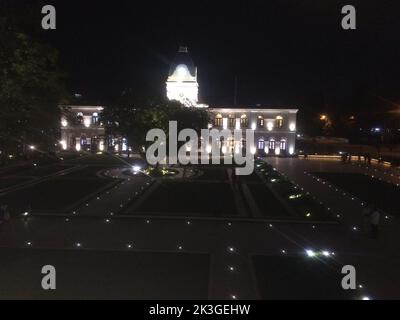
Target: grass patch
{"points": [[98, 159], [13, 181], [104, 275], [385, 195], [42, 171], [52, 195], [298, 277], [266, 201], [215, 174], [181, 198]]}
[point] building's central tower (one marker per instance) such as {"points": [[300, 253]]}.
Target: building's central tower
{"points": [[182, 79]]}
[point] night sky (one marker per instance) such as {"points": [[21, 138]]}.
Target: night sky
{"points": [[283, 53]]}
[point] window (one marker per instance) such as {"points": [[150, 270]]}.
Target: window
{"points": [[79, 117], [279, 121], [260, 144], [244, 122], [283, 144], [231, 121], [95, 118], [272, 144], [218, 120], [260, 122]]}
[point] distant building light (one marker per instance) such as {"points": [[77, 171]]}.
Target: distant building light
{"points": [[292, 126], [64, 122]]}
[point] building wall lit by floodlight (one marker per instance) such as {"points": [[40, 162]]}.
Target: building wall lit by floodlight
{"points": [[182, 80], [81, 128]]}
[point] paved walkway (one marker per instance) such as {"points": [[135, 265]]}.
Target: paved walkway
{"points": [[231, 244]]}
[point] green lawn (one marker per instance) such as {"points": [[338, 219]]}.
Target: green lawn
{"points": [[216, 173], [12, 181], [82, 274], [299, 277], [370, 190], [266, 201], [52, 195], [193, 198], [301, 204], [98, 159], [42, 170], [87, 172]]}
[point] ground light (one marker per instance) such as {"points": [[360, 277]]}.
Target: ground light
{"points": [[136, 169], [310, 253]]}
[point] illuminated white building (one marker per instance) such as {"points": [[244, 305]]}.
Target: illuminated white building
{"points": [[182, 79], [274, 128], [81, 128]]}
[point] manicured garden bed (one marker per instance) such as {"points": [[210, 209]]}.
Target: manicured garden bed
{"points": [[370, 190], [302, 204], [104, 274], [52, 195], [191, 198], [299, 277], [266, 201]]}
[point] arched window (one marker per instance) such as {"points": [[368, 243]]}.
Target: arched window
{"points": [[95, 118], [218, 120], [231, 121], [79, 117], [283, 144], [260, 144], [244, 121], [279, 121], [260, 122], [272, 144]]}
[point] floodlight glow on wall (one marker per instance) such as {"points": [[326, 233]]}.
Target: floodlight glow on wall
{"points": [[63, 144], [86, 122]]}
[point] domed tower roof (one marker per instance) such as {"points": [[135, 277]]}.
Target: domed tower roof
{"points": [[182, 58]]}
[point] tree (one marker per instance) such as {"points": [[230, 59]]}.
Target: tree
{"points": [[30, 92], [132, 117]]}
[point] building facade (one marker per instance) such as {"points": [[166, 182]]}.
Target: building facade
{"points": [[274, 128], [182, 79], [81, 128]]}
